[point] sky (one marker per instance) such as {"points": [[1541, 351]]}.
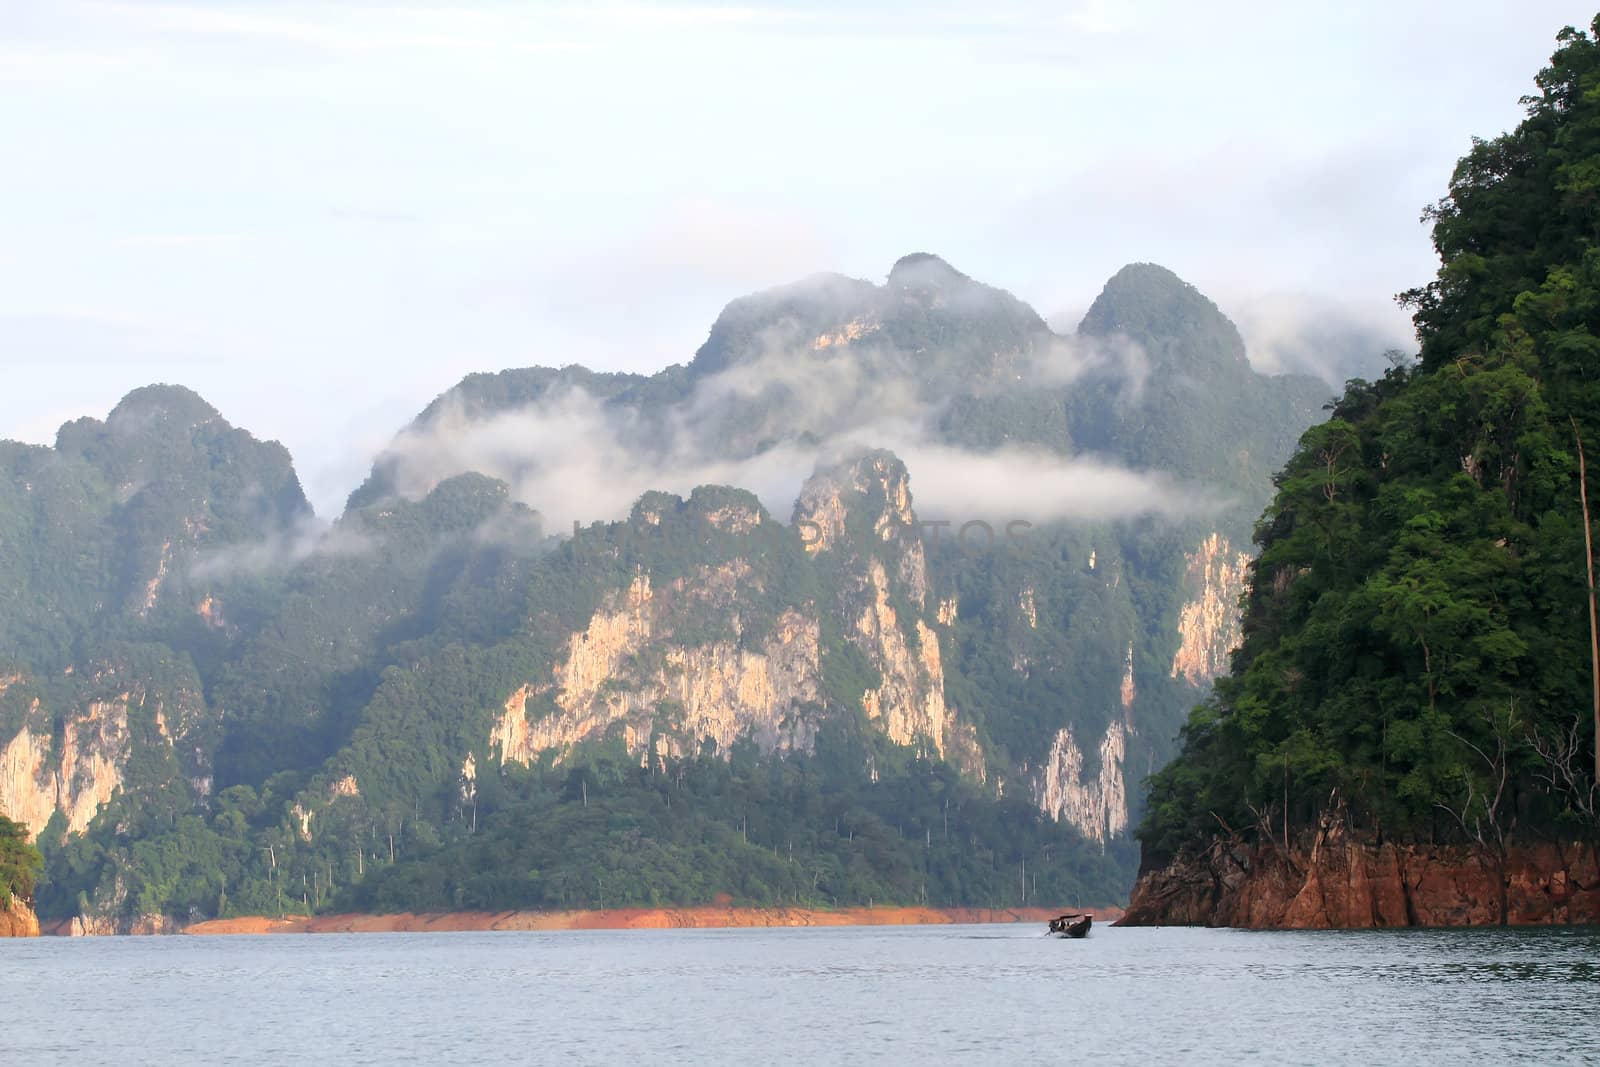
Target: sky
{"points": [[321, 215]]}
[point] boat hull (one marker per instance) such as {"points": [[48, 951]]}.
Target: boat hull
{"points": [[1073, 926]]}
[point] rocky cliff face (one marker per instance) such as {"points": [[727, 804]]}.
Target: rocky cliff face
{"points": [[626, 668], [636, 671], [1331, 880], [18, 920], [872, 542], [75, 764], [910, 704], [114, 925], [39, 777], [1208, 624], [1097, 803], [28, 789]]}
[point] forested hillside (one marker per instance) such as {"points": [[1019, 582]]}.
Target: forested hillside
{"points": [[890, 595], [1416, 659]]}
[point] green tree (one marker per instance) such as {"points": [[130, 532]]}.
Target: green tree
{"points": [[20, 863]]}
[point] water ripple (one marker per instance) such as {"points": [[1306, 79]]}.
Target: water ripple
{"points": [[823, 996]]}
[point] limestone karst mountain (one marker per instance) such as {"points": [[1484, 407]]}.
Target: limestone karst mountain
{"points": [[108, 624], [1007, 564]]}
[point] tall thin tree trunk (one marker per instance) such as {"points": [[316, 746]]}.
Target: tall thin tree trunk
{"points": [[1594, 633]]}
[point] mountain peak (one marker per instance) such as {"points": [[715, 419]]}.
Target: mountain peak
{"points": [[1147, 302], [924, 271], [174, 402], [814, 304], [873, 479]]}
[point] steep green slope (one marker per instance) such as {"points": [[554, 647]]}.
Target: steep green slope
{"points": [[1416, 634], [103, 532], [696, 631], [386, 579], [117, 544], [1195, 408]]}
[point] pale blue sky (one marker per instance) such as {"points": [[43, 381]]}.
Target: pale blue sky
{"points": [[320, 215]]}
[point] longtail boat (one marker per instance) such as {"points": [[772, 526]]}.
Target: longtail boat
{"points": [[1072, 924]]}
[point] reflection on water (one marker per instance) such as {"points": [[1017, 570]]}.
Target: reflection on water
{"points": [[1005, 994]]}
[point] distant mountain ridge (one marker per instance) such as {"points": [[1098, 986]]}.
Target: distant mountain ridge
{"points": [[954, 362], [237, 716]]}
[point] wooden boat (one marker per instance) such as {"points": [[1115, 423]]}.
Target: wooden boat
{"points": [[1072, 925]]}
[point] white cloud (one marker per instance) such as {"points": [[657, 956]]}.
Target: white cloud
{"points": [[577, 459], [1037, 486], [593, 182], [343, 28], [1334, 340], [310, 537]]}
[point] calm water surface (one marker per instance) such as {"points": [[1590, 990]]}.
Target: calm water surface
{"points": [[1001, 994]]}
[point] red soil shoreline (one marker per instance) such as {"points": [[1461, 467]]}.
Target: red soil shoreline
{"points": [[705, 917]]}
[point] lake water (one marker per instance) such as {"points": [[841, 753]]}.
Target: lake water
{"points": [[1002, 994]]}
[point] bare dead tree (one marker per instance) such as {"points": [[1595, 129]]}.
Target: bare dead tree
{"points": [[1263, 817], [1588, 551], [1482, 816], [1330, 460], [1564, 771], [1479, 813]]}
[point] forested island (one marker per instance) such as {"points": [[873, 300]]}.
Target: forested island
{"points": [[1407, 734]]}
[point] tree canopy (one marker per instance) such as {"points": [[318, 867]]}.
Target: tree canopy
{"points": [[20, 863], [1416, 629]]}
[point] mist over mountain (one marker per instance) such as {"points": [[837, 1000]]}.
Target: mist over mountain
{"points": [[885, 589], [1012, 420], [1296, 333]]}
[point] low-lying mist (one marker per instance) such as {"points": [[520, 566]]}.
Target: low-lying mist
{"points": [[766, 423]]}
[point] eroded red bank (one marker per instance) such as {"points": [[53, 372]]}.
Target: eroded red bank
{"points": [[1334, 881], [632, 919]]}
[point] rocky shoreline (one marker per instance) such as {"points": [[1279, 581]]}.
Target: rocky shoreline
{"points": [[1332, 880], [702, 917], [18, 920]]}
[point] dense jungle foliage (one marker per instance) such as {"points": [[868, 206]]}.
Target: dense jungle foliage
{"points": [[1416, 650], [852, 823], [806, 830], [19, 863]]}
